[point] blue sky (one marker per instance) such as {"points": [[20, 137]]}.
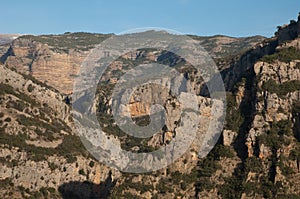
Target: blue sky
{"points": [[201, 17]]}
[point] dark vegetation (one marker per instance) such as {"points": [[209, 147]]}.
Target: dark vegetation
{"points": [[7, 89], [236, 120], [284, 55], [231, 49], [127, 142], [281, 89], [80, 40], [71, 145], [69, 148], [87, 190]]}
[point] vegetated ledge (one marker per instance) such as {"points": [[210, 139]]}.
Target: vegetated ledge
{"points": [[281, 89]]}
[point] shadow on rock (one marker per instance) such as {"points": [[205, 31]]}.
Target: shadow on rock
{"points": [[87, 190]]}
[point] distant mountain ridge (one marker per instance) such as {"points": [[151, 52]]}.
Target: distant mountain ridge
{"points": [[60, 56], [8, 38]]}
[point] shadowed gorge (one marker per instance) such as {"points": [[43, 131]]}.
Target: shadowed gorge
{"points": [[88, 190]]}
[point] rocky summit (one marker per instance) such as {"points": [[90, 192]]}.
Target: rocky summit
{"points": [[256, 156]]}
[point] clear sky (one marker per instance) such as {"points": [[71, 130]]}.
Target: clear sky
{"points": [[201, 17]]}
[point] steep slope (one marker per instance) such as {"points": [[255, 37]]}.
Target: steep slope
{"points": [[52, 59], [37, 131], [262, 122], [5, 41], [38, 149], [256, 157]]}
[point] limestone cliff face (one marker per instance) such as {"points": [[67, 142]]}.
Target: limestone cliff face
{"points": [[277, 93], [265, 84], [186, 166], [246, 62], [39, 150], [276, 105], [257, 155], [42, 94], [57, 69], [55, 59]]}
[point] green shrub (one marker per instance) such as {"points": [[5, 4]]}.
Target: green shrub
{"points": [[281, 89], [7, 182], [6, 89], [295, 154], [8, 119], [285, 169], [271, 140], [230, 190], [30, 88], [177, 177], [92, 164], [204, 183], [69, 148], [282, 127], [163, 186], [296, 107], [253, 164], [207, 167], [142, 121], [220, 151], [52, 166], [81, 172], [54, 127], [284, 55], [274, 138], [234, 118], [18, 105], [250, 187], [287, 196], [45, 191]]}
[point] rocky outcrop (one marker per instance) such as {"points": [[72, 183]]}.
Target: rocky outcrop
{"points": [[270, 107], [52, 172], [271, 137], [256, 157], [40, 93], [48, 60], [228, 137], [45, 64], [37, 151]]}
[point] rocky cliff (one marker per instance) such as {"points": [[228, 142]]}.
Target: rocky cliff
{"points": [[55, 59], [257, 155], [39, 151], [262, 121]]}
